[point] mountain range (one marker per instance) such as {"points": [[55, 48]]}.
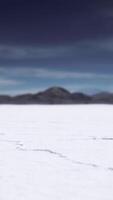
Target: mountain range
{"points": [[58, 95]]}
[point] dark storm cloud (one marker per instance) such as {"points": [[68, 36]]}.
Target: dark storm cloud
{"points": [[52, 22], [88, 51], [26, 53]]}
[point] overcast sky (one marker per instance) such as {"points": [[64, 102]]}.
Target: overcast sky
{"points": [[46, 43]]}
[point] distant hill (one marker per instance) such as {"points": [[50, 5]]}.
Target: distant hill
{"points": [[4, 99], [79, 97], [103, 97], [58, 95]]}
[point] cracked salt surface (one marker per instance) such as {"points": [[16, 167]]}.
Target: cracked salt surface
{"points": [[56, 152], [60, 155]]}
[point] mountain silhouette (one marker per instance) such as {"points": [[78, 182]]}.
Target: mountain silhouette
{"points": [[58, 95]]}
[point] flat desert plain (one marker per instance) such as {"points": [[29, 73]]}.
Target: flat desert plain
{"points": [[56, 152]]}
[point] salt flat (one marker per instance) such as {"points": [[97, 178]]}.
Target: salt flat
{"points": [[56, 152]]}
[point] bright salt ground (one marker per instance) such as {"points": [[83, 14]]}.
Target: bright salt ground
{"points": [[56, 152]]}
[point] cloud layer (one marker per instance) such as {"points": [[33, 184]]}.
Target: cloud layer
{"points": [[8, 82], [81, 49], [44, 73], [16, 52]]}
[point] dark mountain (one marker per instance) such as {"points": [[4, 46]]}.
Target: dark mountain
{"points": [[22, 99], [81, 98], [4, 99], [103, 97], [57, 92], [54, 95], [58, 95]]}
